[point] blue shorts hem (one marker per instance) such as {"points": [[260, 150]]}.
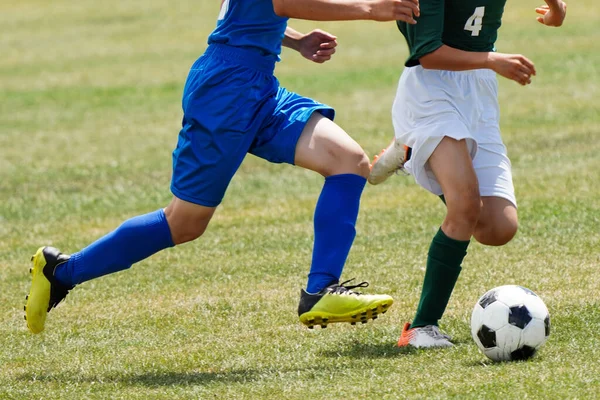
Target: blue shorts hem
{"points": [[194, 200], [325, 111]]}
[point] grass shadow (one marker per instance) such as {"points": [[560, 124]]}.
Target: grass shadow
{"points": [[379, 350], [370, 350], [150, 379]]}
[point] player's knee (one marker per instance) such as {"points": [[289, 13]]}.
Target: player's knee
{"points": [[353, 161], [187, 221], [362, 164], [498, 233], [464, 208], [183, 233]]}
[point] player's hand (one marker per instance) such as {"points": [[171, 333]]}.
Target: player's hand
{"points": [[317, 46], [552, 16], [395, 10], [512, 66]]}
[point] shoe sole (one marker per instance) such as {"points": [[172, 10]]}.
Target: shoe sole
{"points": [[38, 299], [433, 346], [362, 315], [380, 173]]}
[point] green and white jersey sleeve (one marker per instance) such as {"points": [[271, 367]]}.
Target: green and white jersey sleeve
{"points": [[470, 25]]}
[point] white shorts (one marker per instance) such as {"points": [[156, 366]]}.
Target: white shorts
{"points": [[432, 104]]}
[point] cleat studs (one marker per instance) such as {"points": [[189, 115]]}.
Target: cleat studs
{"points": [[31, 270], [310, 326], [32, 257], [24, 308], [374, 317], [364, 321], [352, 323], [27, 297], [25, 317], [363, 314], [325, 320], [355, 316], [323, 326], [384, 311]]}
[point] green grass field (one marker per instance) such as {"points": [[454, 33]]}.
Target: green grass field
{"points": [[89, 114]]}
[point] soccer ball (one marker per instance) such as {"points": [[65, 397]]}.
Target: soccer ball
{"points": [[510, 323]]}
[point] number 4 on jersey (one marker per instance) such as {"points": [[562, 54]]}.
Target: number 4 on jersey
{"points": [[474, 22]]}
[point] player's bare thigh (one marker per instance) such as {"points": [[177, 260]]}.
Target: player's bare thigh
{"points": [[451, 164], [498, 221], [326, 148]]}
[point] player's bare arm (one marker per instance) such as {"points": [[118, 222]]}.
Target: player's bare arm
{"points": [[552, 14], [317, 46], [512, 66], [345, 10]]}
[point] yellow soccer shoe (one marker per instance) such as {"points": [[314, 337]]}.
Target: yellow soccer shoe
{"points": [[339, 303], [46, 292]]}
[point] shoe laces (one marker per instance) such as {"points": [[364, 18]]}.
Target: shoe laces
{"points": [[343, 288], [434, 332]]}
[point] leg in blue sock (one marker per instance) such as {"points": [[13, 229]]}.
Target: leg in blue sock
{"points": [[136, 239], [334, 223]]}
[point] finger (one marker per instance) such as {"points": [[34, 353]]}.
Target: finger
{"points": [[406, 18], [327, 52], [320, 59], [417, 12], [410, 9], [324, 35], [415, 2], [540, 20], [542, 11], [526, 72], [328, 45], [525, 79], [529, 65]]}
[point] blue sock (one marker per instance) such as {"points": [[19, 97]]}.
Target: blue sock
{"points": [[136, 239], [335, 219]]}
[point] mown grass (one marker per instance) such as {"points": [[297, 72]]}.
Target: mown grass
{"points": [[89, 113]]}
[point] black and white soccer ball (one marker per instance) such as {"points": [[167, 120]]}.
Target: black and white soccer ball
{"points": [[510, 323]]}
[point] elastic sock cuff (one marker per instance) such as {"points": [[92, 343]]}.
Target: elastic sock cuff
{"points": [[350, 178], [454, 250], [163, 221]]}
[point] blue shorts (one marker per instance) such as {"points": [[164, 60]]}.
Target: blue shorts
{"points": [[232, 106]]}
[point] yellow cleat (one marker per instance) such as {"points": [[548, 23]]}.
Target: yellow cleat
{"points": [[46, 292], [338, 303]]}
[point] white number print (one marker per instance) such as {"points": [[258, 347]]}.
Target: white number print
{"points": [[224, 9], [474, 22]]}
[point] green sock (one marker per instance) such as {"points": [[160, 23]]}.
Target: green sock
{"points": [[443, 267]]}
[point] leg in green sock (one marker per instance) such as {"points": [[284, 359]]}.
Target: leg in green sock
{"points": [[443, 268]]}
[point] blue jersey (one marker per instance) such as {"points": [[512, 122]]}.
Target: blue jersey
{"points": [[250, 24]]}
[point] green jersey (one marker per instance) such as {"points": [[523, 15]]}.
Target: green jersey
{"points": [[470, 25]]}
